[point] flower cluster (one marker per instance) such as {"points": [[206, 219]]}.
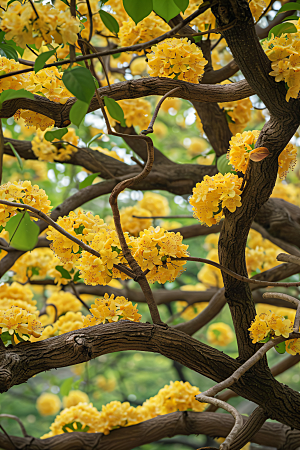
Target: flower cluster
{"points": [[177, 58], [154, 250], [75, 397], [132, 224], [210, 275], [46, 151], [46, 24], [17, 295], [283, 52], [213, 194], [20, 322], [22, 192], [288, 192], [70, 321], [178, 396], [219, 334], [260, 253], [33, 265], [48, 404], [269, 324], [203, 21], [110, 309], [136, 112], [242, 144], [64, 302], [196, 146], [157, 204], [149, 28], [238, 113], [83, 226]]}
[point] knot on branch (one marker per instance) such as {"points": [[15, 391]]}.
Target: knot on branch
{"points": [[80, 345]]}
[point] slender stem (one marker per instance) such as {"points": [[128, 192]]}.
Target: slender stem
{"points": [[8, 437], [34, 9], [90, 19], [288, 258], [150, 127], [290, 299], [78, 296], [10, 416]]}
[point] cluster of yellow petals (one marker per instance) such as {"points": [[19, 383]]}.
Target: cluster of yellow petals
{"points": [[17, 295], [18, 320], [33, 265], [242, 144], [157, 204], [219, 334], [130, 223], [83, 226], [154, 250], [283, 51], [75, 397], [64, 302], [48, 404], [22, 192], [47, 82], [70, 321], [178, 396], [213, 194], [203, 21], [110, 309], [256, 8], [269, 323], [149, 28], [137, 112], [177, 58], [239, 112], [21, 24], [46, 151]]}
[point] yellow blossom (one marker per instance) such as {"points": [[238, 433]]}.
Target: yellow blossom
{"points": [[48, 404], [111, 309], [219, 334], [157, 204], [75, 397], [64, 302], [20, 321], [131, 224]]}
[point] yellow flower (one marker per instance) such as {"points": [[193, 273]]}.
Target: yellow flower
{"points": [[292, 346], [213, 194], [33, 265], [239, 112], [110, 309], [75, 397], [46, 151], [177, 58], [22, 192], [287, 160], [48, 404], [137, 112], [131, 224], [84, 413], [155, 203], [71, 321], [219, 334], [20, 321], [272, 323], [178, 396], [210, 275], [197, 146], [240, 147], [64, 302]]}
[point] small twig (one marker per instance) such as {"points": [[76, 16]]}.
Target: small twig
{"points": [[140, 164], [43, 311], [8, 437], [288, 258], [150, 126], [72, 47], [32, 51], [34, 9], [213, 30], [266, 10], [99, 59], [183, 216], [78, 296], [216, 43], [290, 299], [10, 416], [90, 19]]}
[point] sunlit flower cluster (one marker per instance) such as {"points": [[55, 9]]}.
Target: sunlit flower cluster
{"points": [[149, 28], [269, 324], [213, 194], [154, 250], [22, 192], [70, 321], [48, 404], [46, 151], [17, 295], [178, 59], [132, 224], [110, 309], [80, 225], [283, 52], [64, 302], [242, 144], [178, 396], [51, 24], [288, 313], [239, 114], [137, 112], [219, 334], [157, 204], [19, 321], [75, 397]]}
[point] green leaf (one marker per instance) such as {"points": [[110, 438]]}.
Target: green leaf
{"points": [[9, 94], [116, 55], [79, 230], [64, 273], [78, 112], [94, 139], [42, 59], [2, 34], [77, 383], [23, 233], [8, 52], [88, 180], [266, 339], [55, 134], [79, 81], [138, 9], [66, 386], [197, 38], [217, 333], [16, 47], [223, 166], [182, 4], [70, 427], [289, 7], [109, 21], [34, 270], [290, 18], [16, 155], [282, 28], [76, 276], [6, 337], [166, 9], [115, 110], [280, 348]]}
